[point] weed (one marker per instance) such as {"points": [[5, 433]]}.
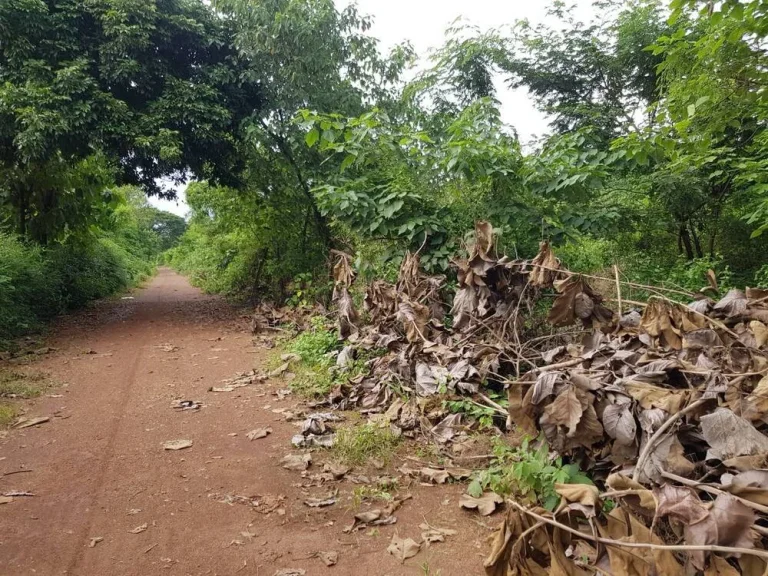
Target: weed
{"points": [[359, 444], [7, 415], [14, 384], [427, 571], [314, 345], [367, 493], [483, 414], [528, 473]]}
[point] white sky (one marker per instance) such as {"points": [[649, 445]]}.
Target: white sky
{"points": [[423, 23]]}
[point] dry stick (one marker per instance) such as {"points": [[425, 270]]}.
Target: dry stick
{"points": [[647, 545], [655, 289], [653, 440], [712, 490], [618, 287]]}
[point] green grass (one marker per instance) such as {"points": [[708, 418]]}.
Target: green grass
{"points": [[8, 414], [357, 445], [17, 384]]}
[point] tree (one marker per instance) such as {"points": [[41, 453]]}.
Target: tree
{"points": [[134, 90]]}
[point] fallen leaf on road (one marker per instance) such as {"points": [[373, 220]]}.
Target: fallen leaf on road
{"points": [[431, 534], [133, 511], [167, 347], [95, 540], [291, 572], [402, 549], [434, 475], [329, 558], [259, 433], [18, 493], [320, 502], [6, 499], [27, 422], [177, 444], [186, 405], [138, 529], [486, 504], [297, 462]]}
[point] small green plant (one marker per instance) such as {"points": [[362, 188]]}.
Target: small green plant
{"points": [[359, 444], [15, 384], [366, 493], [313, 345], [527, 472], [427, 571], [483, 414]]}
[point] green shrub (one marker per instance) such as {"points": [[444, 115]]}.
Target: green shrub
{"points": [[527, 473]]}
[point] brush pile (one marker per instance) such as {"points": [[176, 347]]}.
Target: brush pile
{"points": [[664, 406]]}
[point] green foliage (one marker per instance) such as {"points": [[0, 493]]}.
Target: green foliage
{"points": [[360, 444], [527, 473], [314, 345], [36, 283], [482, 414]]}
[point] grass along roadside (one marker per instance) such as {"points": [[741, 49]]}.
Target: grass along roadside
{"points": [[17, 385]]}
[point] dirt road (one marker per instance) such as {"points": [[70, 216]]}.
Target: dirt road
{"points": [[97, 469]]}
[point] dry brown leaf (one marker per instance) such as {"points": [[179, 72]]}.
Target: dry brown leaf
{"points": [[585, 494], [719, 566], [258, 433], [566, 410], [139, 529], [486, 504], [329, 558], [402, 549], [434, 475], [177, 444], [619, 423], [649, 396], [298, 462], [729, 435]]}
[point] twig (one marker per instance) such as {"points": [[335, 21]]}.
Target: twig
{"points": [[647, 545], [498, 407], [618, 287], [653, 440], [15, 472], [150, 548], [712, 490], [566, 364]]}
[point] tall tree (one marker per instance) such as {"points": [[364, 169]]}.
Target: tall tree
{"points": [[141, 89]]}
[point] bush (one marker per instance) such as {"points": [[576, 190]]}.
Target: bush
{"points": [[37, 283]]}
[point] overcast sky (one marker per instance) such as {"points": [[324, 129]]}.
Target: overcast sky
{"points": [[423, 23]]}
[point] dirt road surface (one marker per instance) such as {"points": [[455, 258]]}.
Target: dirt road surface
{"points": [[98, 470]]}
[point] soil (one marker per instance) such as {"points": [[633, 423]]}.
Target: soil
{"points": [[98, 469]]}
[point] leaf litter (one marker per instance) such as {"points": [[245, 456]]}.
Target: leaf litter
{"points": [[664, 405]]}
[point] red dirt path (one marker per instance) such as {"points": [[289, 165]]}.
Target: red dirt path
{"points": [[100, 459]]}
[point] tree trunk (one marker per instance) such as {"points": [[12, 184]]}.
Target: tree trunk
{"points": [[685, 237], [696, 243]]}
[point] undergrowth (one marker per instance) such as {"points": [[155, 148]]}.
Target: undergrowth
{"points": [[15, 384], [527, 472], [8, 414], [360, 444]]}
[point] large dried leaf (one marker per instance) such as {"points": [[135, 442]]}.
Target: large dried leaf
{"points": [[619, 423], [734, 303], [485, 504], [729, 435], [566, 410], [414, 317], [402, 549]]}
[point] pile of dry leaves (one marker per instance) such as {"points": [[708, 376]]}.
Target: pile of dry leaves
{"points": [[665, 406]]}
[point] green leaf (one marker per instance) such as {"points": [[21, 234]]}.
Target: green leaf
{"points": [[475, 489], [312, 137]]}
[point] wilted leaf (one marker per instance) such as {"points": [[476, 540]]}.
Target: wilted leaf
{"points": [[566, 410], [729, 435], [298, 462], [329, 558], [402, 549], [434, 476], [619, 423], [485, 504], [258, 433], [177, 444]]}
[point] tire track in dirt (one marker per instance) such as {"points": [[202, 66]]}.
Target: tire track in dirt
{"points": [[106, 461]]}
